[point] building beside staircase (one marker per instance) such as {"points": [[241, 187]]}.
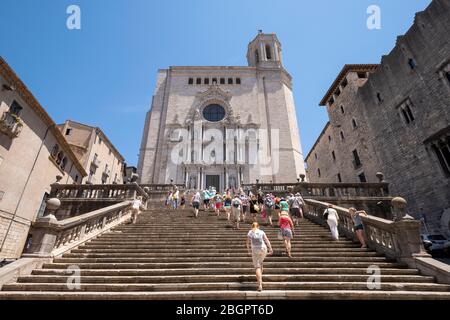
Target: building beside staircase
{"points": [[223, 126], [97, 154], [394, 118], [33, 152]]}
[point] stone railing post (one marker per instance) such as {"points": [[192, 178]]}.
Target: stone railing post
{"points": [[407, 232], [44, 233]]}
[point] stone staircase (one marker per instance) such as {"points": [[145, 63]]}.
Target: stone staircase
{"points": [[171, 255]]}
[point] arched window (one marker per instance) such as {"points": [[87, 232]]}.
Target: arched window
{"points": [[268, 52], [63, 163], [59, 157], [55, 151], [256, 56]]}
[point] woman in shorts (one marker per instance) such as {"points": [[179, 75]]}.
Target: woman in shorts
{"points": [[217, 203], [259, 243], [358, 225], [196, 198], [227, 205], [287, 229]]}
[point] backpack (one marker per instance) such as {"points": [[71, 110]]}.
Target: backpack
{"points": [[269, 203], [257, 239]]}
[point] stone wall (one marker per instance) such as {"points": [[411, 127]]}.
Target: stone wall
{"points": [[392, 140]]}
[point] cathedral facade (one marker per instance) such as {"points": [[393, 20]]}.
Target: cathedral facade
{"points": [[223, 126]]}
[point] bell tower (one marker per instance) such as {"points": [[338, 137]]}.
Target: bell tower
{"points": [[264, 51]]}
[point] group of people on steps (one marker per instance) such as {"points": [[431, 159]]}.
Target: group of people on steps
{"points": [[245, 206]]}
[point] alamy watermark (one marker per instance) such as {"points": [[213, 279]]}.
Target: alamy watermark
{"points": [[258, 147], [374, 280], [374, 19], [73, 21], [74, 279]]}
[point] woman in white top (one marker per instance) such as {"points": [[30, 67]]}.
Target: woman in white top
{"points": [[332, 221], [195, 201], [258, 240], [135, 209]]}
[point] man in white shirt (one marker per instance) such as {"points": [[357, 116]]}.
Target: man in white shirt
{"points": [[135, 209], [236, 205]]}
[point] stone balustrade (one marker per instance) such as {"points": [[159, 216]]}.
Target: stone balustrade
{"points": [[325, 190], [97, 191], [51, 238], [162, 187], [398, 239]]}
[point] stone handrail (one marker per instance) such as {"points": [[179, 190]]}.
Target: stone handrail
{"points": [[326, 190], [97, 191], [51, 238], [162, 187], [398, 239]]}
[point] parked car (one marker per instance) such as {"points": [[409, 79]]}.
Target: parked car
{"points": [[435, 243]]}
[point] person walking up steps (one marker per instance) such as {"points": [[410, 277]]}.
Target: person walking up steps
{"points": [[296, 204], [332, 218], [175, 197], [287, 230], [217, 203], [236, 205], [358, 225], [269, 203], [135, 209], [284, 206], [259, 243], [196, 198], [227, 204]]}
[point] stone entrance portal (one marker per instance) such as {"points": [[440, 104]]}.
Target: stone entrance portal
{"points": [[213, 181]]}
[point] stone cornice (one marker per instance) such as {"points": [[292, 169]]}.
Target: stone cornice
{"points": [[10, 76], [345, 70]]}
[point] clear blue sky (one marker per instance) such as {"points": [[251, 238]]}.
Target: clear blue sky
{"points": [[104, 74]]}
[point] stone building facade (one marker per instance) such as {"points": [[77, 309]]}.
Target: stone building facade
{"points": [[99, 157], [223, 126], [402, 116], [33, 152]]}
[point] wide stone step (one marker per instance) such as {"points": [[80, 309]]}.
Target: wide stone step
{"points": [[231, 295], [224, 258], [198, 271], [198, 263], [60, 283], [300, 285], [219, 253], [202, 243], [311, 250]]}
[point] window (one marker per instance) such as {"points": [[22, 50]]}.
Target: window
{"points": [[191, 81], [362, 75], [68, 130], [344, 83], [214, 112], [406, 112], [331, 101], [110, 151], [59, 157], [268, 52], [99, 140], [214, 80], [342, 135], [342, 110], [354, 124], [222, 80], [380, 100], [356, 159], [43, 205], [206, 81], [362, 177], [315, 155], [318, 172], [238, 80], [447, 75], [55, 151], [198, 81], [329, 138], [15, 109], [63, 163], [338, 92], [412, 64], [230, 80], [333, 155], [256, 56], [339, 177], [76, 178], [442, 150]]}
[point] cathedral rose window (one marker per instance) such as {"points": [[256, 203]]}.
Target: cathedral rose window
{"points": [[214, 112]]}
